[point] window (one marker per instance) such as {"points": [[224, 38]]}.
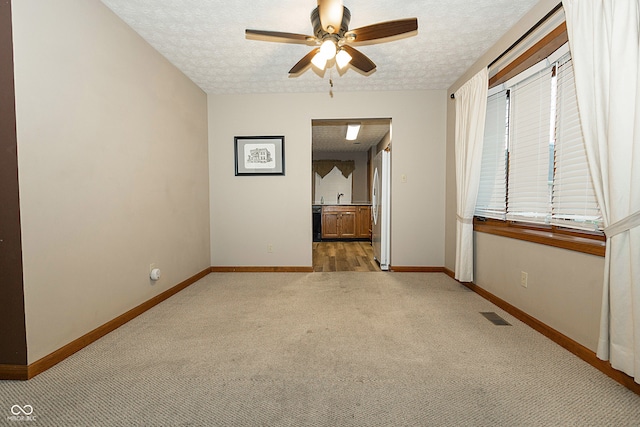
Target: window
{"points": [[534, 167], [574, 200], [492, 194]]}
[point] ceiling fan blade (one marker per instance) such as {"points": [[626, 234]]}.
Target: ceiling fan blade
{"points": [[304, 62], [277, 36], [384, 30], [359, 60], [330, 15]]}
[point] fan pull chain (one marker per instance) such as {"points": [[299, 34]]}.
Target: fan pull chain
{"points": [[331, 83]]}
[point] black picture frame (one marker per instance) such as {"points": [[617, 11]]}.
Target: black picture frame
{"points": [[259, 155]]}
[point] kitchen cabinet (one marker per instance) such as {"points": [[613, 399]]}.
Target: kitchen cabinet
{"points": [[363, 222], [344, 222], [330, 224]]}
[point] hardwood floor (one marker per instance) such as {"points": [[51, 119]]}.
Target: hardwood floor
{"points": [[343, 256]]}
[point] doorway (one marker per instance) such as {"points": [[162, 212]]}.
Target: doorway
{"points": [[343, 256], [342, 186]]}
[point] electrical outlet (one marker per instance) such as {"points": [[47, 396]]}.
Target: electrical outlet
{"points": [[270, 248], [403, 178], [523, 279]]}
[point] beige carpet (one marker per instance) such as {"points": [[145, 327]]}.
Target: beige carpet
{"points": [[323, 349]]}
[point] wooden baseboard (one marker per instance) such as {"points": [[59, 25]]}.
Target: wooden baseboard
{"points": [[411, 269], [449, 273], [262, 269], [14, 372], [562, 340]]}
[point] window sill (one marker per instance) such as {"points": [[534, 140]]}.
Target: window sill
{"points": [[588, 243]]}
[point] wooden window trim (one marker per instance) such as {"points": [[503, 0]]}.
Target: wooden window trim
{"points": [[536, 53], [581, 241]]}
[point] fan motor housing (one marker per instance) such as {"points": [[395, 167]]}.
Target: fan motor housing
{"points": [[317, 26]]}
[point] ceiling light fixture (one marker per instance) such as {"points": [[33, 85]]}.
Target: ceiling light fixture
{"points": [[352, 131], [342, 59], [319, 60], [330, 12], [328, 49], [330, 21], [326, 53]]}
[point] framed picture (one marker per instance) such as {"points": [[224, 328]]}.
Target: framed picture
{"points": [[259, 155]]}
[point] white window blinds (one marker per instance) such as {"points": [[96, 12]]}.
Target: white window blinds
{"points": [[530, 180], [492, 194], [574, 202], [534, 165]]}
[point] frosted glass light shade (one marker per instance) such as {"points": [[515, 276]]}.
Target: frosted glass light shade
{"points": [[328, 49], [330, 15], [319, 60], [343, 59]]}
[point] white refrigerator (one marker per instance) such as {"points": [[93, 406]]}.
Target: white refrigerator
{"points": [[381, 208]]}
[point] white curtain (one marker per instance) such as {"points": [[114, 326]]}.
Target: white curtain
{"points": [[471, 109], [604, 37]]}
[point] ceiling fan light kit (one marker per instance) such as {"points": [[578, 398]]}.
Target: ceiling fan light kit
{"points": [[328, 49], [330, 21], [342, 59], [319, 60]]}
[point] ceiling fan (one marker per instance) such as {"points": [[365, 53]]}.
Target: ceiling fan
{"points": [[333, 39]]}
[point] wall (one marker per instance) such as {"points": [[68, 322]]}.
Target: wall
{"points": [[112, 149], [359, 178], [564, 287], [250, 213]]}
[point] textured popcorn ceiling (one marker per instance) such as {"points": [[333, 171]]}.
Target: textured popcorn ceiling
{"points": [[206, 40]]}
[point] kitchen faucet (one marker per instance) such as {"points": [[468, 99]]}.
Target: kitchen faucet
{"points": [[339, 195]]}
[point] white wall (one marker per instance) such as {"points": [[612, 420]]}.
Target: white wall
{"points": [[564, 286], [249, 213], [358, 187], [112, 144], [334, 183]]}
